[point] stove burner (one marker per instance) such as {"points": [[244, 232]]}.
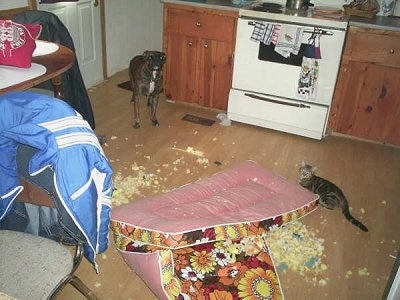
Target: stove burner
{"points": [[269, 7]]}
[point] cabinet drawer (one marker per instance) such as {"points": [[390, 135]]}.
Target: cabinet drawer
{"points": [[202, 25], [381, 47]]}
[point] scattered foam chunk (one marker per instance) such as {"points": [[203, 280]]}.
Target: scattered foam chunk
{"points": [[363, 272], [295, 247], [128, 186], [322, 282], [202, 161]]}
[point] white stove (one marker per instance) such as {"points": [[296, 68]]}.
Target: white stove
{"points": [[290, 93]]}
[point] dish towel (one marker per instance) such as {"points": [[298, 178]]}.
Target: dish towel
{"points": [[263, 33], [308, 81], [289, 40], [275, 34]]}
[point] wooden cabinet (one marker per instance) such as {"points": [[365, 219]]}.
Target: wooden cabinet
{"points": [[199, 44], [366, 102]]}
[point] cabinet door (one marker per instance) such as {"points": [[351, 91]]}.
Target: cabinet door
{"points": [[366, 102], [199, 71], [180, 69], [199, 44], [215, 73], [370, 105]]}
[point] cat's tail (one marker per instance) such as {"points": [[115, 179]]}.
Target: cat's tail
{"points": [[354, 221]]}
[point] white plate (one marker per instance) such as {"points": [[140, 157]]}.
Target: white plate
{"points": [[13, 75], [43, 48]]}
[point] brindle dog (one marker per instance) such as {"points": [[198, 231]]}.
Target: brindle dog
{"points": [[146, 80]]}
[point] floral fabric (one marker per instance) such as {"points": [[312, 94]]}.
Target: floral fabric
{"points": [[222, 262]]}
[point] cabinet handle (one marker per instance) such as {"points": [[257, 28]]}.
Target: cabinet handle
{"points": [[391, 51], [205, 45], [190, 43], [198, 24]]}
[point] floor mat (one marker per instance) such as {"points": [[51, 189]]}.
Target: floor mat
{"points": [[198, 120], [125, 85]]}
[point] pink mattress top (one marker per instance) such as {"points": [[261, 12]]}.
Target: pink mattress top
{"points": [[244, 193]]}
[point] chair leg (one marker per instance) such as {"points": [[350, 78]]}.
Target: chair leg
{"points": [[73, 279], [77, 256], [76, 283], [81, 287]]}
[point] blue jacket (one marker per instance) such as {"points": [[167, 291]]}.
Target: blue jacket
{"points": [[66, 144]]}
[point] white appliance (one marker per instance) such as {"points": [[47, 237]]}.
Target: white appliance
{"points": [[265, 89]]}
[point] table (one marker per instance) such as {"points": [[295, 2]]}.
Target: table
{"points": [[56, 63]]}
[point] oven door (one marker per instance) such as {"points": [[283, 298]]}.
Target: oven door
{"points": [[280, 77], [305, 119]]}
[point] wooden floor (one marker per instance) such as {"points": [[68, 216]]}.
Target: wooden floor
{"points": [[358, 263]]}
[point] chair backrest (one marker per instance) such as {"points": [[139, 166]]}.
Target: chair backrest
{"points": [[9, 14], [32, 192], [54, 30], [34, 195], [40, 190]]}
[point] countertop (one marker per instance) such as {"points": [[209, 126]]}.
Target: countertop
{"points": [[378, 22]]}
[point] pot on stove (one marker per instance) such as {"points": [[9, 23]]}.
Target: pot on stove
{"points": [[298, 4]]}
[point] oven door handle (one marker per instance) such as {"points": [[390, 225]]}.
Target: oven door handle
{"points": [[300, 105], [316, 30]]}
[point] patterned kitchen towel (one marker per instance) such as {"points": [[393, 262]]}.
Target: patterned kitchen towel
{"points": [[289, 41], [275, 33], [262, 33], [307, 87]]}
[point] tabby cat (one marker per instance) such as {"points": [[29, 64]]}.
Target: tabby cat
{"points": [[331, 196]]}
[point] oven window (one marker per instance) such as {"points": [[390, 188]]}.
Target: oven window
{"points": [[267, 53]]}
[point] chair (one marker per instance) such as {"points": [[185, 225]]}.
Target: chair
{"points": [[73, 87], [35, 267], [50, 151]]}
